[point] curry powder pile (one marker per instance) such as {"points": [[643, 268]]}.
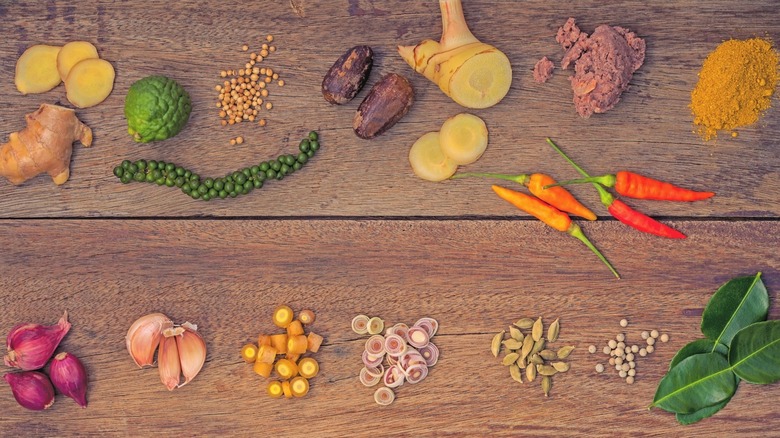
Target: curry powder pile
{"points": [[735, 86]]}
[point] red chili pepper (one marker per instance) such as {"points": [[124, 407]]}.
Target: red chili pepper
{"points": [[551, 216], [538, 184], [634, 185], [622, 212]]}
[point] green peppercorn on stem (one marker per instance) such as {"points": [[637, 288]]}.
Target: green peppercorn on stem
{"points": [[234, 184]]}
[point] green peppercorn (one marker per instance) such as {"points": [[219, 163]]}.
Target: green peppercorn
{"points": [[276, 165], [279, 176], [304, 146], [247, 173], [179, 171], [161, 165], [118, 171], [223, 194], [194, 185], [241, 178], [169, 182], [151, 164], [264, 166], [315, 145], [219, 185], [126, 164], [310, 154], [254, 170], [156, 174], [208, 182], [179, 181], [286, 169], [239, 187], [229, 186], [194, 177], [170, 167], [187, 174], [260, 176], [235, 175], [213, 193], [126, 178], [313, 135], [141, 164], [257, 184], [297, 166], [149, 177], [233, 194], [271, 174], [160, 181], [302, 158], [202, 189], [205, 197], [139, 177], [186, 189], [195, 194]]}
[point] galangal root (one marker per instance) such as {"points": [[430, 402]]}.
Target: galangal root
{"points": [[45, 145]]}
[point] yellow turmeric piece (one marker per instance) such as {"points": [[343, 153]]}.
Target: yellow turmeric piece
{"points": [[735, 86]]}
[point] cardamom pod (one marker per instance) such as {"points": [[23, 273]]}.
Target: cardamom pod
{"points": [[514, 371], [538, 346], [553, 331], [495, 345], [528, 344], [565, 351], [516, 334], [536, 359], [521, 362], [512, 344], [537, 330], [510, 358], [548, 355], [561, 367], [546, 385], [530, 373], [525, 323], [546, 370]]}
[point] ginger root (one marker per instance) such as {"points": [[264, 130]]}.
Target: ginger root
{"points": [[45, 145]]}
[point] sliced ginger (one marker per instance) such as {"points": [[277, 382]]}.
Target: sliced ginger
{"points": [[428, 161], [464, 138], [89, 82], [472, 73], [36, 69], [72, 53], [45, 145]]}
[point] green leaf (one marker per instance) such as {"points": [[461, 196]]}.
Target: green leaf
{"points": [[695, 383], [698, 346], [701, 414], [737, 304], [755, 352]]}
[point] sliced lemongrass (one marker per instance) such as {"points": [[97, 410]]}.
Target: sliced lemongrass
{"points": [[429, 324], [430, 353], [384, 396], [368, 379], [375, 345], [401, 330], [360, 324], [416, 373], [392, 360], [372, 361], [377, 371], [418, 337], [410, 358], [389, 331], [394, 377], [375, 325], [395, 345]]}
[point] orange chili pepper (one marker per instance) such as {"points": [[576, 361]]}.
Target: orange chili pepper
{"points": [[558, 197], [634, 185], [550, 216]]}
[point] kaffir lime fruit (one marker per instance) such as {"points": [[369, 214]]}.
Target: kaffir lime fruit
{"points": [[156, 108]]}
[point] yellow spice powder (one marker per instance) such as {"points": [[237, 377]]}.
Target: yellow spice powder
{"points": [[736, 83]]}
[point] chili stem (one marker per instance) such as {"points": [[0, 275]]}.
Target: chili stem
{"points": [[606, 198], [576, 231], [520, 179]]}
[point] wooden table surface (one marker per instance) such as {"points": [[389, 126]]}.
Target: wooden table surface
{"points": [[357, 232]]}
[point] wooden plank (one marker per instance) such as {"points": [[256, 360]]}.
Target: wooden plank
{"points": [[475, 277], [650, 130]]}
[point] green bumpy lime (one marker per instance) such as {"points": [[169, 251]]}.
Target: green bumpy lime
{"points": [[156, 108]]}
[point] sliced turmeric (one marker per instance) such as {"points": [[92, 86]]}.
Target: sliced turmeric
{"points": [[89, 82], [36, 69], [45, 145]]}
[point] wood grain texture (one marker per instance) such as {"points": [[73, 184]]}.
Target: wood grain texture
{"points": [[649, 131], [475, 277]]}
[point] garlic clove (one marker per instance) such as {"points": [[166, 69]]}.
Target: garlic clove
{"points": [[168, 359], [31, 389], [30, 346], [69, 376], [144, 336], [192, 352]]}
